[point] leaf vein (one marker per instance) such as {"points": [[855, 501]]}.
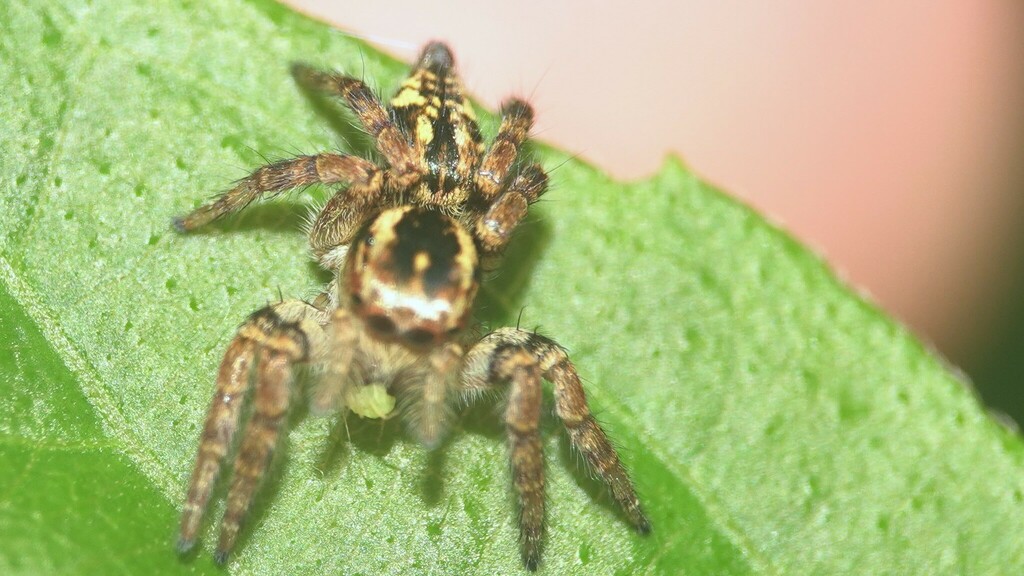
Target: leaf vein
{"points": [[96, 393]]}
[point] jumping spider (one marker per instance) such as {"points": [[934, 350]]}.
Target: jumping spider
{"points": [[406, 244]]}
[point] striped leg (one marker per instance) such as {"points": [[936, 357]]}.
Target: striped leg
{"points": [[372, 114], [219, 431], [341, 217], [272, 340], [270, 408], [516, 120], [519, 358], [497, 361], [272, 179], [587, 436], [494, 228]]}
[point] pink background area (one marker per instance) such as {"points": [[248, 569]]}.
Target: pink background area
{"points": [[887, 135]]}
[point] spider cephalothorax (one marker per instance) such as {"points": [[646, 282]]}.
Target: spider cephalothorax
{"points": [[411, 275], [406, 243]]}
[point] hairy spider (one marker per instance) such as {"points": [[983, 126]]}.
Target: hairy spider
{"points": [[406, 244]]}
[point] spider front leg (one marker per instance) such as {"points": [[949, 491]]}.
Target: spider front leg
{"points": [[520, 359], [273, 340], [272, 179]]}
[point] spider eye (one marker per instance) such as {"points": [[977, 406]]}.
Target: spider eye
{"points": [[381, 324], [418, 337]]}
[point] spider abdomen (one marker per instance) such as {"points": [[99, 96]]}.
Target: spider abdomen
{"points": [[433, 110]]}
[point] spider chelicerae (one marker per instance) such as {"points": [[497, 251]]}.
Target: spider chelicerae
{"points": [[405, 244]]}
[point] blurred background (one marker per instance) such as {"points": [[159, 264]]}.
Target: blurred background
{"points": [[887, 136]]}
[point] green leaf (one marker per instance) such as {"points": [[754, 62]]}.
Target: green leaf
{"points": [[774, 422]]}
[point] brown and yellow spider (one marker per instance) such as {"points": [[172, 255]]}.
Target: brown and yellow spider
{"points": [[406, 244]]}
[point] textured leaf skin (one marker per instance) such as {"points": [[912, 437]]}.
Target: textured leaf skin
{"points": [[773, 421]]}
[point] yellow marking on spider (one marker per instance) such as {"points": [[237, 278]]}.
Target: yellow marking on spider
{"points": [[466, 259], [409, 96], [462, 136], [384, 231], [421, 262], [424, 130]]}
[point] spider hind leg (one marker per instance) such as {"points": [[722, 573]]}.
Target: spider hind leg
{"points": [[494, 227], [516, 121], [372, 114]]}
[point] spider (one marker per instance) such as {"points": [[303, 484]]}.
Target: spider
{"points": [[406, 244]]}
